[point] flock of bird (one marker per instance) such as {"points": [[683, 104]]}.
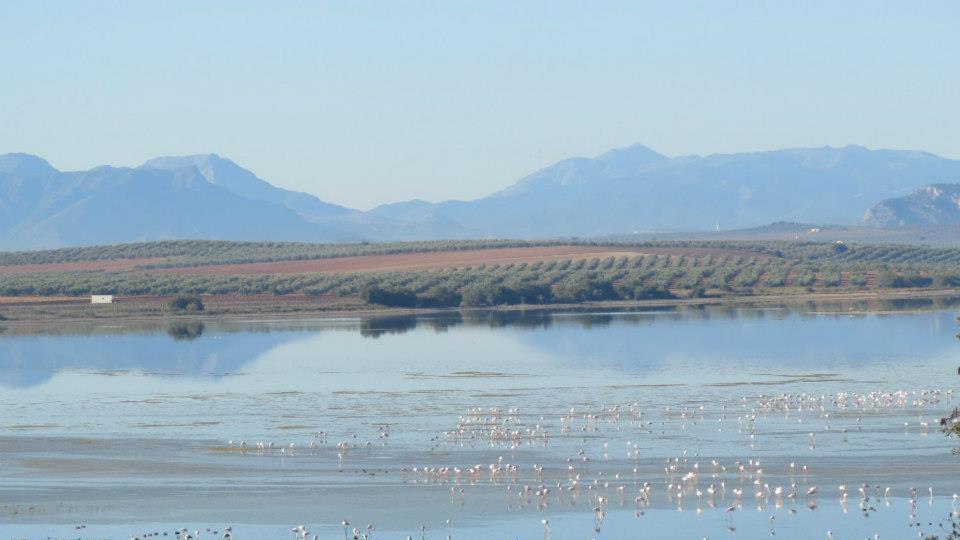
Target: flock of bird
{"points": [[609, 466]]}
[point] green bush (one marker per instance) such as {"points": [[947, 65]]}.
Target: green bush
{"points": [[858, 280], [532, 292], [637, 288], [899, 281], [489, 294], [585, 288], [389, 297], [697, 292], [830, 277], [190, 304], [654, 293], [439, 296], [805, 278], [947, 280]]}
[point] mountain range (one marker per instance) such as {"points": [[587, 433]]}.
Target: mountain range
{"points": [[622, 191]]}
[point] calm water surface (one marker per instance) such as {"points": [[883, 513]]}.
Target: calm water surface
{"points": [[660, 424]]}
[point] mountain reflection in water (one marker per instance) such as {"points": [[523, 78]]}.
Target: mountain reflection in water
{"points": [[638, 339]]}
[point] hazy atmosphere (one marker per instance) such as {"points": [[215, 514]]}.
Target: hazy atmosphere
{"points": [[479, 270], [363, 103]]}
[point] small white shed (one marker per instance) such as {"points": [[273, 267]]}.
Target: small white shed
{"points": [[101, 299]]}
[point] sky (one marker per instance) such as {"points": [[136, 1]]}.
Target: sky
{"points": [[363, 103]]}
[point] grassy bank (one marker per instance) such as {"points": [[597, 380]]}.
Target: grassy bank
{"points": [[265, 306]]}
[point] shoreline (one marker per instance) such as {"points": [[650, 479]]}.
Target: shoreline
{"points": [[132, 312]]}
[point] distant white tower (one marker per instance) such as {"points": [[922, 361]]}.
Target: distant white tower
{"points": [[718, 225]]}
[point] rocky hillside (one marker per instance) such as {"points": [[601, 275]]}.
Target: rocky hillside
{"points": [[936, 204]]}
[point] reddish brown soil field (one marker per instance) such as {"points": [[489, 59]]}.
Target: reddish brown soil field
{"points": [[445, 259], [236, 299], [31, 300], [114, 265]]}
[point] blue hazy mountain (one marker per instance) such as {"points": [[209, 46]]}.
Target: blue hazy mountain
{"points": [[43, 207], [637, 189], [202, 196], [627, 190]]}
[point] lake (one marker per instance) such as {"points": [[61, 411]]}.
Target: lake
{"points": [[786, 421]]}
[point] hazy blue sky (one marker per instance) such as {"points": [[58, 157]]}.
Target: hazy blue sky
{"points": [[362, 103]]}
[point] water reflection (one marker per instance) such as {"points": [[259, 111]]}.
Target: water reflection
{"points": [[374, 327], [185, 330], [181, 348], [631, 341]]}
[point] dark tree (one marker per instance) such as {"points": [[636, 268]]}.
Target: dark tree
{"points": [[189, 304], [389, 297]]}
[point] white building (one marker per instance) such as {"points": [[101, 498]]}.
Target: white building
{"points": [[101, 299]]}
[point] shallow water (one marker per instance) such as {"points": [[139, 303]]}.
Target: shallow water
{"points": [[134, 429]]}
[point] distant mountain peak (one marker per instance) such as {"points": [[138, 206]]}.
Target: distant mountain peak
{"points": [[226, 173], [411, 203], [208, 164], [633, 154], [25, 164], [581, 170]]}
